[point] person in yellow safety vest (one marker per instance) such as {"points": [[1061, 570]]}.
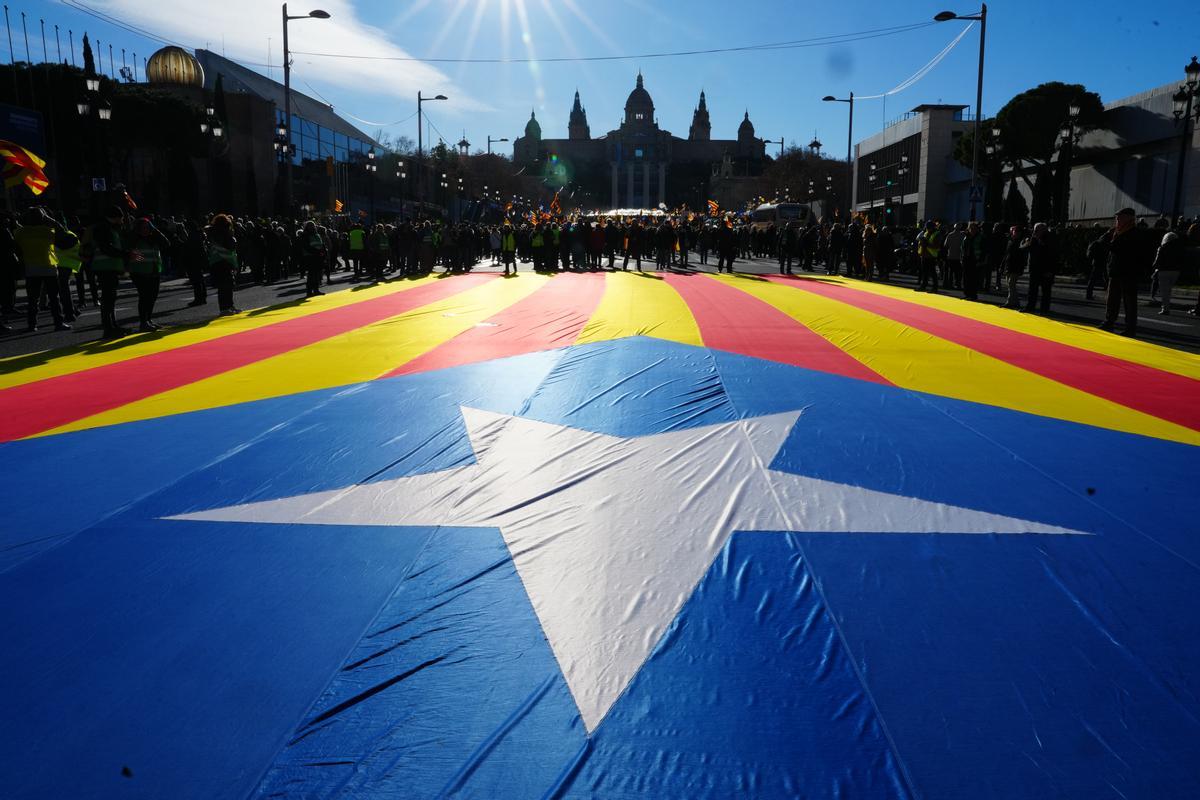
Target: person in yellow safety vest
{"points": [[70, 262], [378, 255], [37, 241], [537, 244], [929, 247], [223, 261], [312, 251], [508, 248], [108, 262], [358, 243], [145, 264]]}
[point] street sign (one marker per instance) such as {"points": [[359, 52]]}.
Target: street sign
{"points": [[99, 185]]}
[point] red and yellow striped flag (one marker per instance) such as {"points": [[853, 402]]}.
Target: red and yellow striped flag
{"points": [[713, 208], [22, 166]]}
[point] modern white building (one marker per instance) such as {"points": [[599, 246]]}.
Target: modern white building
{"points": [[1132, 161], [914, 168]]}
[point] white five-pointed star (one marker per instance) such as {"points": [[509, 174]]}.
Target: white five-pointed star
{"points": [[610, 535]]}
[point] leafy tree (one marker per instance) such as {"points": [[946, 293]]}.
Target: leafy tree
{"points": [[1029, 127], [89, 60]]}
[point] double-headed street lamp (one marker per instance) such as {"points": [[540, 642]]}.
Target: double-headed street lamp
{"points": [[981, 18], [287, 98], [282, 145], [1184, 101], [90, 102], [372, 168], [491, 140], [211, 124], [849, 149], [420, 177], [401, 175], [1068, 136]]}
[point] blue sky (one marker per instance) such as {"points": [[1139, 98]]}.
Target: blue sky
{"points": [[1115, 48]]}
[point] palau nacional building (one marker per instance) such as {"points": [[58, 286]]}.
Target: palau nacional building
{"points": [[640, 164]]}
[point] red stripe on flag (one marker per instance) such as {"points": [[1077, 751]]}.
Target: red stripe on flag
{"points": [[47, 404], [729, 319], [551, 317], [1152, 391]]}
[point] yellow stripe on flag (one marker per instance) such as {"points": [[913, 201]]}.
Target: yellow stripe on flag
{"points": [[359, 355], [916, 360], [18, 370], [1085, 337], [640, 304]]}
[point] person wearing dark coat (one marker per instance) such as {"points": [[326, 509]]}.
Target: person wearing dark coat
{"points": [[1042, 260], [1126, 259]]}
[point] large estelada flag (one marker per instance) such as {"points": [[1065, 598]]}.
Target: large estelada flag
{"points": [[603, 536]]}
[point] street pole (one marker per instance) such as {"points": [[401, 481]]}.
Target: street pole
{"points": [[490, 140], [420, 172], [287, 117], [978, 109], [1184, 143], [849, 150], [850, 163], [287, 100], [981, 18], [420, 163]]}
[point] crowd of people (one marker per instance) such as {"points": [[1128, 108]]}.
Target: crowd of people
{"points": [[64, 262]]}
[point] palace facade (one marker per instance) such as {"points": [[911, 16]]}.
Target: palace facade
{"points": [[639, 165]]}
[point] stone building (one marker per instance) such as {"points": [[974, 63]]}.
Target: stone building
{"points": [[639, 164]]}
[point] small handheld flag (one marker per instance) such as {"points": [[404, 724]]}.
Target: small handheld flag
{"points": [[713, 208], [338, 206], [22, 166]]}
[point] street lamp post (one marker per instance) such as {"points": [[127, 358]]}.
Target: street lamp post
{"points": [[849, 149], [287, 98], [981, 18], [1066, 155], [420, 176], [91, 102], [372, 168], [995, 165], [1184, 100], [400, 176], [491, 140]]}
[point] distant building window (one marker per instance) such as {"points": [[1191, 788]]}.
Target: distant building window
{"points": [[639, 115]]}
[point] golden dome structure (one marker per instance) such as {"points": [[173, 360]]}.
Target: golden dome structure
{"points": [[174, 66]]}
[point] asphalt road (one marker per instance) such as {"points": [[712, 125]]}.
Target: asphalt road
{"points": [[1178, 330]]}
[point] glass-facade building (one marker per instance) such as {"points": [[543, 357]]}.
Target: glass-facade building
{"points": [[312, 141], [317, 133]]}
